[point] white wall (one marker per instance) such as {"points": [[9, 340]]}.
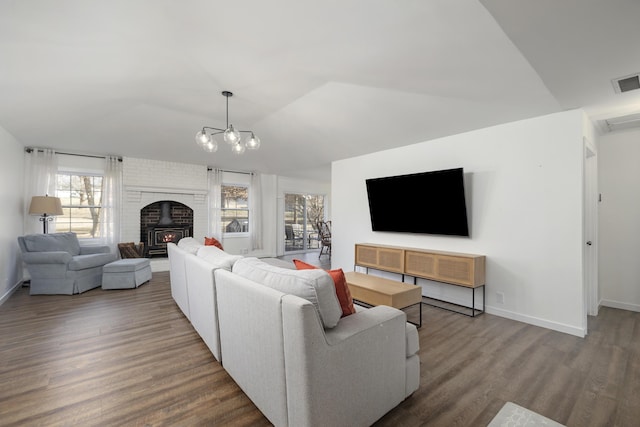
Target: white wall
{"points": [[619, 225], [11, 212], [524, 193]]}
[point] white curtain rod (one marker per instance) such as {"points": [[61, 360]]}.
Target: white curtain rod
{"points": [[30, 150], [209, 168]]}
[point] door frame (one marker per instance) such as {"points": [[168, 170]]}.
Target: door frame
{"points": [[590, 230]]}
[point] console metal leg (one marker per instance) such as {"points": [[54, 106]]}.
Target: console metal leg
{"points": [[465, 307], [473, 302]]}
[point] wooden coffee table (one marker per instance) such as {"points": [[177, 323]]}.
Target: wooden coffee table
{"points": [[373, 290]]}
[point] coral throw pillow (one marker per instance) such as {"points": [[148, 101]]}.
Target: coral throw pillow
{"points": [[212, 241], [340, 282]]}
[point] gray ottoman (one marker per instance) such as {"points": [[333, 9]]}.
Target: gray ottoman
{"points": [[126, 273]]}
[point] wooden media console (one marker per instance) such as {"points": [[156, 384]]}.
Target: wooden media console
{"points": [[459, 269]]}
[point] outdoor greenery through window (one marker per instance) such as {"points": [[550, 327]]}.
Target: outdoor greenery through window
{"points": [[81, 197], [235, 208]]}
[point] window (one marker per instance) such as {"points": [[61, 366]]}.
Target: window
{"points": [[235, 208], [81, 197]]}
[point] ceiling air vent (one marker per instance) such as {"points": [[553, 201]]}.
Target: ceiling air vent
{"points": [[627, 83], [622, 122]]}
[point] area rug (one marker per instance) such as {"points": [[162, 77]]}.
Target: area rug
{"points": [[512, 415]]}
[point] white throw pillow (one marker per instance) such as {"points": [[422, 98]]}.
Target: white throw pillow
{"points": [[217, 257], [316, 286], [189, 244]]}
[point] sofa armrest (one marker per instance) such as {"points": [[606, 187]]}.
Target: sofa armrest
{"points": [[94, 249], [203, 307], [178, 277], [55, 257], [358, 368], [362, 322]]}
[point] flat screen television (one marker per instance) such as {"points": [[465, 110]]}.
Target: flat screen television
{"points": [[428, 202]]}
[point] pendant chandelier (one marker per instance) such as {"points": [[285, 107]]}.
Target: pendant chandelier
{"points": [[231, 136]]}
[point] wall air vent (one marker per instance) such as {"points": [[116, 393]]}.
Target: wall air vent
{"points": [[626, 83], [618, 123]]}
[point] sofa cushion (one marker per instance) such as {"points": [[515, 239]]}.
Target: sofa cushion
{"points": [[189, 244], [66, 242], [279, 263], [217, 257], [212, 241], [340, 282], [316, 286], [126, 265], [82, 262]]}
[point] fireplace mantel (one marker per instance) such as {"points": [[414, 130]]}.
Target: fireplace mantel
{"points": [[134, 192]]}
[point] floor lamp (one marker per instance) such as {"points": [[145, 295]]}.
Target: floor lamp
{"points": [[46, 207]]}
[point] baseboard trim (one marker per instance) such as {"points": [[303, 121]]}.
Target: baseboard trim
{"points": [[10, 291], [536, 321], [620, 305]]}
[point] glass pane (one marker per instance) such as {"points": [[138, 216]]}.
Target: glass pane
{"points": [[235, 220], [63, 189], [294, 219], [315, 213], [80, 220], [234, 196]]}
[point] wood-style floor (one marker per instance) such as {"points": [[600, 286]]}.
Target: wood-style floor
{"points": [[130, 358]]}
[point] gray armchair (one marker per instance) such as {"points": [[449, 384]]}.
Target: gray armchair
{"points": [[58, 264]]}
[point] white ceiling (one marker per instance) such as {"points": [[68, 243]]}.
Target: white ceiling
{"points": [[316, 80]]}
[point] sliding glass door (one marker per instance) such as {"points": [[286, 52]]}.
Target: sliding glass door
{"points": [[301, 214]]}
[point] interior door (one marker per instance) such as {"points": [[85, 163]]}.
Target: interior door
{"points": [[590, 251]]}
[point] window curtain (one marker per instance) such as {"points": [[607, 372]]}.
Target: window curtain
{"points": [[255, 212], [215, 199], [111, 202], [41, 167]]}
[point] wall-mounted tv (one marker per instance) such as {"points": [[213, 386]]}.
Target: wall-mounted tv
{"points": [[428, 202]]}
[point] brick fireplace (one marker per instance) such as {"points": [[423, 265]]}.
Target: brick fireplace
{"points": [[163, 222], [147, 182]]}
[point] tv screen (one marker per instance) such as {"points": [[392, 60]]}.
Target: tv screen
{"points": [[428, 202]]}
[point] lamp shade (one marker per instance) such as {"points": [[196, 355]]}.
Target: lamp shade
{"points": [[45, 205]]}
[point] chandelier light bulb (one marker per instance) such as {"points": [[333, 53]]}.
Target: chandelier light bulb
{"points": [[202, 138], [253, 143], [211, 146], [231, 135], [238, 148]]}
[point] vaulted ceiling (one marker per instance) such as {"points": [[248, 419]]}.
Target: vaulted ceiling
{"points": [[316, 80]]}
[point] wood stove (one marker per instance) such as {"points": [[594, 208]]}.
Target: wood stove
{"points": [[163, 222]]}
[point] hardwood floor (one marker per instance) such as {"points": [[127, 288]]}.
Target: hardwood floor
{"points": [[120, 357], [322, 261], [129, 357]]}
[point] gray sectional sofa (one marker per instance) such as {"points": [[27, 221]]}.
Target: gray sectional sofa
{"points": [[279, 334]]}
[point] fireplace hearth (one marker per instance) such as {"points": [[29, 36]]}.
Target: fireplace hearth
{"points": [[164, 222]]}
